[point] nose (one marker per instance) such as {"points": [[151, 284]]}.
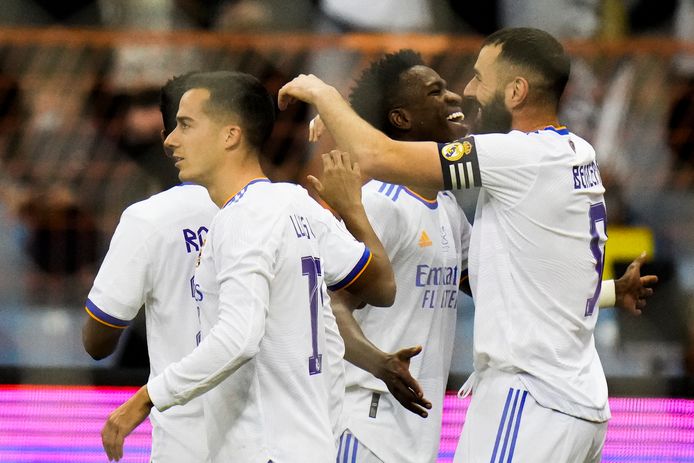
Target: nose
{"points": [[471, 88], [170, 141], [453, 98]]}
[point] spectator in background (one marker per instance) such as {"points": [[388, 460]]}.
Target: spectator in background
{"points": [[140, 136], [680, 131]]}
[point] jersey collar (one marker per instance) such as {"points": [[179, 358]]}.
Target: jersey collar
{"points": [[237, 196], [561, 130]]}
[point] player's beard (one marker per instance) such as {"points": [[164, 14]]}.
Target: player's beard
{"points": [[494, 116]]}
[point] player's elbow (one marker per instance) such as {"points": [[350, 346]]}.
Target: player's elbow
{"points": [[95, 351]]}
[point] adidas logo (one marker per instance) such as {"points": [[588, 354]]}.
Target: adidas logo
{"points": [[424, 240]]}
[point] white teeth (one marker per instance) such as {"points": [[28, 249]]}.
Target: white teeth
{"points": [[456, 116]]}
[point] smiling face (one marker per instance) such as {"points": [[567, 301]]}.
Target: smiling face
{"points": [[433, 111], [197, 143], [488, 87]]}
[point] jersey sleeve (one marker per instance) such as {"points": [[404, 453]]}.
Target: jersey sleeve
{"points": [[465, 233], [244, 261], [348, 258], [124, 278], [498, 162]]}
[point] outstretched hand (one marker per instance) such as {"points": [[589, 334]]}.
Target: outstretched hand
{"points": [[632, 289], [341, 182], [122, 421], [395, 372]]}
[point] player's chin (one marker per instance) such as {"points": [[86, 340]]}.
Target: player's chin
{"points": [[184, 175], [457, 130]]}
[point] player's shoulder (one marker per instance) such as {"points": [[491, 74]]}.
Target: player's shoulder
{"points": [[265, 201], [386, 195], [177, 201], [276, 195]]}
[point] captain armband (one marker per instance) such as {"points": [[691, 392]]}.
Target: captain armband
{"points": [[459, 164]]}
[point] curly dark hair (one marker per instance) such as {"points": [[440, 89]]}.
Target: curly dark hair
{"points": [[375, 92]]}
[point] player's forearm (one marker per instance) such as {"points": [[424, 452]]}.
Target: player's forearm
{"points": [[350, 132], [359, 351], [405, 163], [223, 351], [376, 286]]}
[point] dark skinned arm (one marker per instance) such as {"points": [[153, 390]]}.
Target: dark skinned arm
{"points": [[99, 340], [392, 369], [632, 289]]}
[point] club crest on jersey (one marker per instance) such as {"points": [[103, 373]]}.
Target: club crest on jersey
{"points": [[456, 150]]}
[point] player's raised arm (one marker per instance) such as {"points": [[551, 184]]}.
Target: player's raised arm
{"points": [[407, 163], [340, 188]]}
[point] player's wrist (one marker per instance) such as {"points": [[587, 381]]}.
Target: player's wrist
{"points": [[323, 93], [351, 213], [608, 293], [380, 367]]}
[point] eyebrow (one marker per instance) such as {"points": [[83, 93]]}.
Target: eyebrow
{"points": [[436, 83], [183, 119]]}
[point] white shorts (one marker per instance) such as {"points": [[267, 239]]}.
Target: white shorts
{"points": [[351, 450], [505, 424]]}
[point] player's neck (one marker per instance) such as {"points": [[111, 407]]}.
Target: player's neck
{"points": [[532, 119], [425, 193], [233, 177]]}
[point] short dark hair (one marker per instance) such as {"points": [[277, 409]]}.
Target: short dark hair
{"points": [[376, 91], [537, 51], [239, 94], [169, 99]]}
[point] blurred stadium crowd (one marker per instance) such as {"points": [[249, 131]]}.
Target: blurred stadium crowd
{"points": [[80, 125]]}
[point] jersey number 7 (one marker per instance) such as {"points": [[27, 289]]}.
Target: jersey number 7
{"points": [[310, 267], [598, 214]]}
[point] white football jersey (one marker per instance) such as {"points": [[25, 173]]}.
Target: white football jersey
{"points": [[265, 318], [427, 243], [151, 261], [536, 259]]}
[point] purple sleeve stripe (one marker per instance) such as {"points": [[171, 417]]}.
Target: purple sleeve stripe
{"points": [[102, 317], [355, 273]]}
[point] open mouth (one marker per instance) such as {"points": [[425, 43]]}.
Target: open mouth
{"points": [[456, 116], [471, 109]]}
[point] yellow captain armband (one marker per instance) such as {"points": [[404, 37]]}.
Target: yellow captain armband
{"points": [[608, 295]]}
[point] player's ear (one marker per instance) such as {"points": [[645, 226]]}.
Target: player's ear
{"points": [[232, 136], [517, 91], [400, 119]]}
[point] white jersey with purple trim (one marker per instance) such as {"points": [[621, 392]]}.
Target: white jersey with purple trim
{"points": [[150, 262], [536, 259], [427, 244], [265, 312]]}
